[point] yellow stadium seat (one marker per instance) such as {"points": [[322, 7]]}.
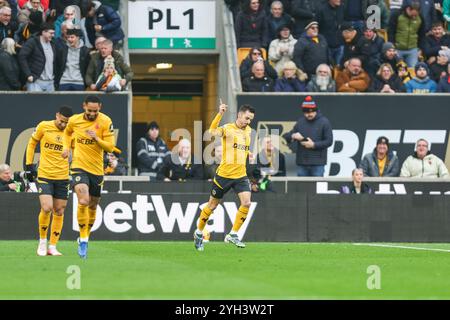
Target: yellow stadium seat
{"points": [[412, 72], [383, 33]]}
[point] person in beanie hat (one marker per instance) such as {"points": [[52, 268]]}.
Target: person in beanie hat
{"points": [[389, 55], [421, 83], [151, 151], [311, 136], [381, 162], [281, 50]]}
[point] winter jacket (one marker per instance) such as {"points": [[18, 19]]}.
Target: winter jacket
{"points": [[353, 49], [9, 72], [405, 33], [95, 67], [32, 58], [444, 84], [110, 21], [289, 85], [61, 56], [429, 167], [417, 85], [309, 54], [330, 20], [437, 71], [314, 87], [150, 155], [275, 23], [280, 58], [304, 11], [7, 31], [384, 12], [4, 186], [60, 5], [371, 53], [245, 69], [251, 29], [446, 12], [394, 82], [320, 132], [369, 164], [180, 172], [428, 13], [253, 84], [431, 46], [359, 83], [25, 31], [350, 189]]}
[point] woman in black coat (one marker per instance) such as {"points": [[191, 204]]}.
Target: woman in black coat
{"points": [[9, 67], [386, 81]]}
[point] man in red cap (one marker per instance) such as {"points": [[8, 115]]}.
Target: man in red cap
{"points": [[312, 135]]}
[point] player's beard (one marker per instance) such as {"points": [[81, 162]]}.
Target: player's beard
{"points": [[90, 118]]}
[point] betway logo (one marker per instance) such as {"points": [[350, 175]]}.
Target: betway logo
{"points": [[148, 216]]}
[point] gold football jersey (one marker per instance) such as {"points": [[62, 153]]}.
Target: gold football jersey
{"points": [[88, 153], [51, 164]]}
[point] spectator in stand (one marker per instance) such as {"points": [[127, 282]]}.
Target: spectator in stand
{"points": [[427, 13], [438, 40], [258, 81], [43, 3], [311, 50], [395, 7], [353, 78], [71, 13], [102, 20], [95, 67], [372, 46], [109, 80], [72, 61], [57, 7], [8, 26], [211, 164], [357, 186], [151, 151], [115, 165], [438, 68], [421, 83], [6, 179], [386, 81], [180, 166], [330, 17], [270, 160], [406, 31], [28, 8], [281, 50], [322, 81], [251, 26], [354, 13], [303, 12], [353, 41], [423, 164], [446, 12], [254, 55], [403, 72], [381, 162], [276, 19], [37, 60], [312, 135], [291, 79], [28, 29], [9, 67], [444, 83], [62, 42], [389, 55]]}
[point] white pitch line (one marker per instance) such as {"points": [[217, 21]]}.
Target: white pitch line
{"points": [[399, 247]]}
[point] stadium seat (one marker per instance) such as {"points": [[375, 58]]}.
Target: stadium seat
{"points": [[412, 72], [383, 33], [242, 53]]}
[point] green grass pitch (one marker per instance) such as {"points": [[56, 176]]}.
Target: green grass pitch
{"points": [[174, 270]]}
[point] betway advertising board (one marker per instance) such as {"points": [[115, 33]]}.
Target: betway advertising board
{"points": [[358, 120]]}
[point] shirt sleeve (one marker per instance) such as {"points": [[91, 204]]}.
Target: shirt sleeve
{"points": [[32, 143]]}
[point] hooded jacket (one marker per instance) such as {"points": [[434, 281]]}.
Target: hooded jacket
{"points": [[429, 167]]}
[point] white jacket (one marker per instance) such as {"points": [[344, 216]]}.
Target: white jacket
{"points": [[276, 57], [429, 167]]}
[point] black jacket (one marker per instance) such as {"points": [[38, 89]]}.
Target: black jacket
{"points": [[304, 11], [9, 72], [32, 58], [394, 82], [252, 84], [179, 172], [351, 189], [309, 54], [245, 68], [4, 185], [431, 46], [320, 132], [330, 20], [150, 155], [61, 61], [252, 29]]}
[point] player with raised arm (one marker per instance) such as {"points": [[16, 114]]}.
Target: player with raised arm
{"points": [[231, 173], [52, 178], [92, 133]]}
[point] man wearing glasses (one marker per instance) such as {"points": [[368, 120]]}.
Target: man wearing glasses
{"points": [[312, 135], [311, 50], [7, 26]]}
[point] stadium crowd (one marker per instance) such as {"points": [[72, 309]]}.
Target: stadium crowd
{"points": [[62, 45], [402, 46]]}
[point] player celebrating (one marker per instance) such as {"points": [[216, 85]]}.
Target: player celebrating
{"points": [[52, 178], [231, 172], [92, 133]]}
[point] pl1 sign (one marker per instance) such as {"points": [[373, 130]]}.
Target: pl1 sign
{"points": [[172, 25]]}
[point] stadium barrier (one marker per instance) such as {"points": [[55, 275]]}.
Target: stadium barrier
{"points": [[299, 210]]}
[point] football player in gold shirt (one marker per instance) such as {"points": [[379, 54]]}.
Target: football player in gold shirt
{"points": [[52, 178], [231, 172], [92, 133]]}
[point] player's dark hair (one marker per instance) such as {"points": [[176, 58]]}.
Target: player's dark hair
{"points": [[247, 107], [66, 111], [92, 99]]}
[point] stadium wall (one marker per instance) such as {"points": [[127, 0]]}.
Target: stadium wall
{"points": [[357, 121], [399, 212]]}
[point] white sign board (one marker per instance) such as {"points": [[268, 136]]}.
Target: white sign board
{"points": [[172, 24]]}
